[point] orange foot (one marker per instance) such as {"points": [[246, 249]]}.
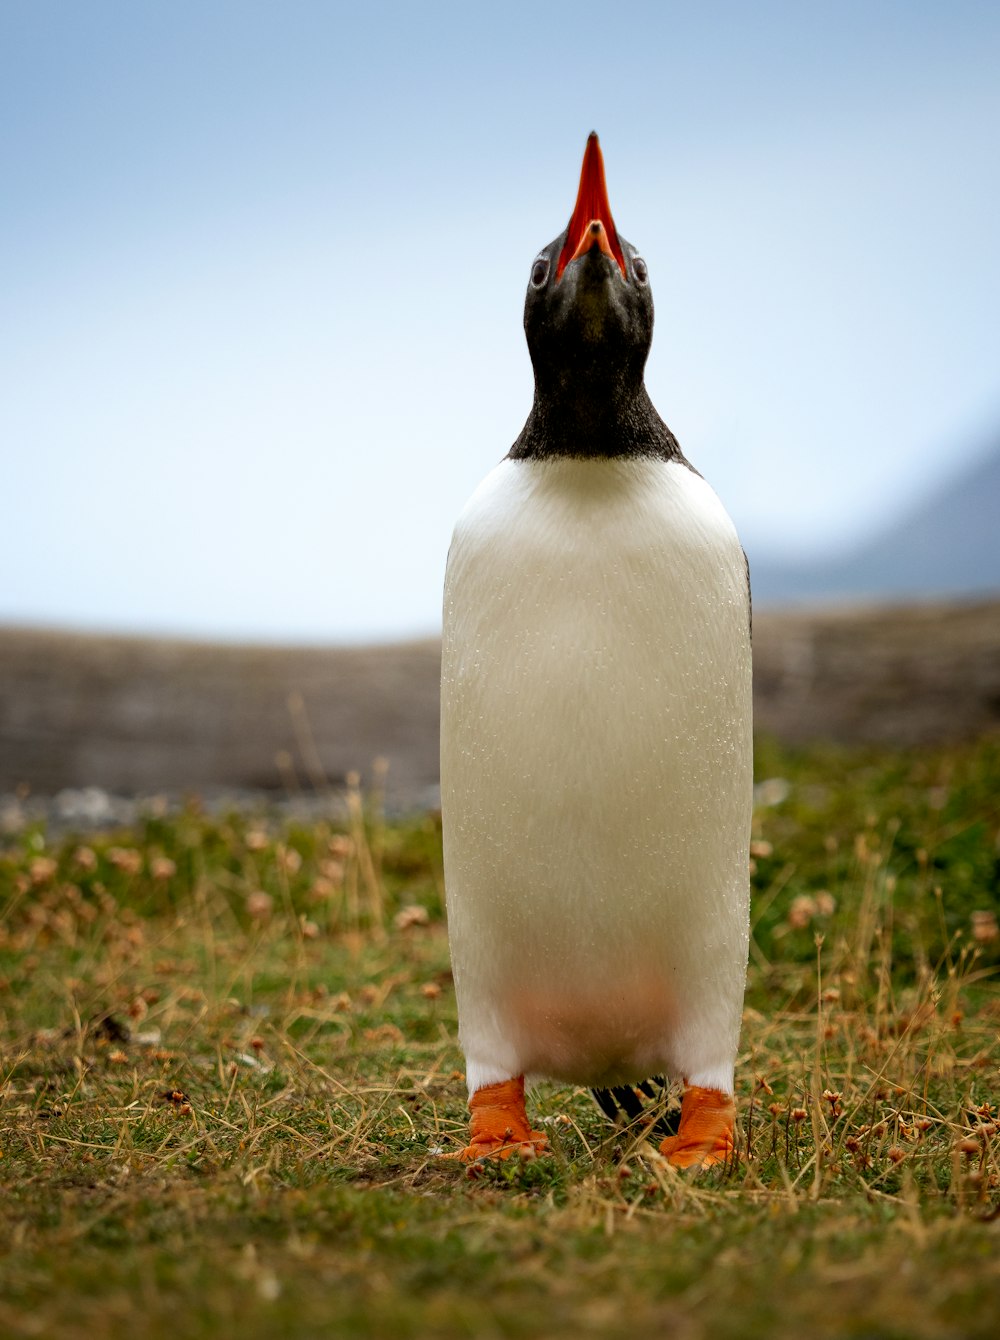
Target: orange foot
{"points": [[500, 1125], [705, 1135]]}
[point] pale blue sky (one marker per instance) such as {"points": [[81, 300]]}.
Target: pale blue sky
{"points": [[262, 268]]}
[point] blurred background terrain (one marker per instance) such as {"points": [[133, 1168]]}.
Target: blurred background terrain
{"points": [[145, 716]]}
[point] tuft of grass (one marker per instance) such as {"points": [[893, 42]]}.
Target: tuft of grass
{"points": [[228, 1067]]}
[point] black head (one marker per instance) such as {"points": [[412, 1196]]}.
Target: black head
{"points": [[588, 318]]}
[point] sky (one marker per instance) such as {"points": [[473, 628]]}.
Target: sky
{"points": [[262, 270]]}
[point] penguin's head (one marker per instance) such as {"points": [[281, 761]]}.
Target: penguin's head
{"points": [[589, 310]]}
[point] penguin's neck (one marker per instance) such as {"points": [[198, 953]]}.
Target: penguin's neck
{"points": [[594, 417]]}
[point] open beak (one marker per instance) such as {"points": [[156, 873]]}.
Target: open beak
{"points": [[591, 225]]}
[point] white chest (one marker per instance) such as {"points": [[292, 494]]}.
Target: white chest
{"points": [[622, 578]]}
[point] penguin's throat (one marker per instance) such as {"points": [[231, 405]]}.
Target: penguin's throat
{"points": [[593, 416]]}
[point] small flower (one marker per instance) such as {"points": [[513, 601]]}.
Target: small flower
{"points": [[259, 905], [984, 927], [256, 840], [42, 869], [125, 859], [829, 1096], [412, 915], [162, 868], [386, 1033], [801, 912], [430, 990], [85, 858]]}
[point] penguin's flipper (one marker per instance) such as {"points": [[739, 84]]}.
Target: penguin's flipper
{"points": [[705, 1134], [499, 1125], [628, 1100]]}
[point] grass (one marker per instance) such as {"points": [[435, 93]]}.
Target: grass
{"points": [[228, 1067]]}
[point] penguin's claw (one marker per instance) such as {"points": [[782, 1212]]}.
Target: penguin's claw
{"points": [[502, 1149], [705, 1135], [499, 1126]]}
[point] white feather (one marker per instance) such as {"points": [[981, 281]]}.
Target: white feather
{"points": [[596, 774]]}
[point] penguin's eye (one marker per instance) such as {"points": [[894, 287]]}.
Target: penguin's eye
{"points": [[539, 272], [639, 270]]}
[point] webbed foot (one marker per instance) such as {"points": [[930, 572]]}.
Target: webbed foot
{"points": [[500, 1126], [705, 1134]]}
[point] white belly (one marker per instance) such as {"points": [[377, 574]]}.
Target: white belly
{"points": [[596, 773]]}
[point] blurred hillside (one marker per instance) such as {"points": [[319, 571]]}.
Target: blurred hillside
{"points": [[134, 715], [947, 545]]}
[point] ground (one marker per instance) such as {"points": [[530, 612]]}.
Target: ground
{"points": [[228, 1071]]}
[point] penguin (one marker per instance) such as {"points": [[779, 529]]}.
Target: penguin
{"points": [[596, 746]]}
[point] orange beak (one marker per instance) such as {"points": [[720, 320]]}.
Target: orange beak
{"points": [[591, 225]]}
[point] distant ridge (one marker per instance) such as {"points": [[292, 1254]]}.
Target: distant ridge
{"points": [[141, 716], [948, 545]]}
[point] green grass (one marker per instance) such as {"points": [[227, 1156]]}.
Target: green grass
{"points": [[228, 1065]]}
